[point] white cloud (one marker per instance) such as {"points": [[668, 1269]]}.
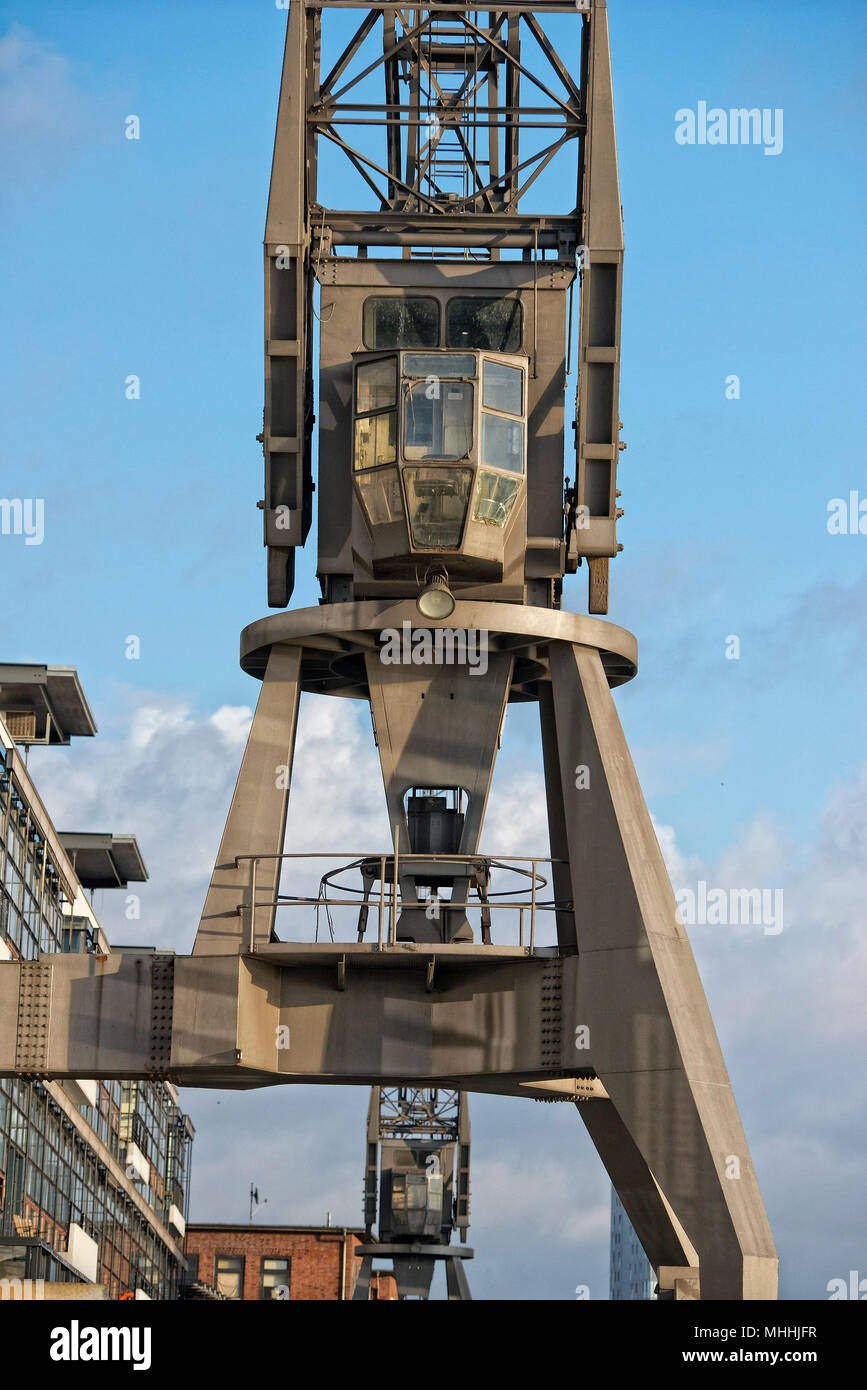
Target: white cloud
{"points": [[150, 720], [517, 818], [758, 858], [233, 722], [680, 870]]}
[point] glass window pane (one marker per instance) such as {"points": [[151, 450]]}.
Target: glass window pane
{"points": [[437, 503], [393, 320], [228, 1275], [375, 385], [381, 496], [503, 388], [376, 439], [502, 443], [439, 364], [275, 1277], [484, 323], [494, 498], [416, 1196], [438, 420]]}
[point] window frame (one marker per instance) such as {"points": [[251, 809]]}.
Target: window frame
{"points": [[516, 422], [479, 347], [401, 347], [507, 416], [412, 518], [269, 1297], [391, 355], [410, 385], [227, 1255], [488, 358], [482, 474]]}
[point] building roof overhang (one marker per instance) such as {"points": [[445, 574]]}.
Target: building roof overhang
{"points": [[104, 861], [53, 694]]}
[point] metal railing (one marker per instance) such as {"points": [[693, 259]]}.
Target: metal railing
{"points": [[387, 869]]}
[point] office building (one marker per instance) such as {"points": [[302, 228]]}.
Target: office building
{"points": [[631, 1273], [94, 1176]]}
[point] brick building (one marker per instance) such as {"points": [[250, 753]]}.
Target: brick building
{"points": [[279, 1262]]}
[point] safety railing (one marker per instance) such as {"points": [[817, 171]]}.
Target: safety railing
{"points": [[380, 893]]}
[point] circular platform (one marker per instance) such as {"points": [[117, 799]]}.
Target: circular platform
{"points": [[335, 637]]}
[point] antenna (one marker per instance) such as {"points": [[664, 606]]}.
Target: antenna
{"points": [[255, 1204]]}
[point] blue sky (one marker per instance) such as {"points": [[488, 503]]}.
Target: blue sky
{"points": [[144, 257]]}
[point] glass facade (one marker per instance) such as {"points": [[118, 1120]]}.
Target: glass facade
{"points": [[31, 915], [631, 1274], [63, 1146]]}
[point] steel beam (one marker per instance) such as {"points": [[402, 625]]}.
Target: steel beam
{"points": [[656, 1053], [256, 823], [288, 411], [241, 1021], [592, 533]]}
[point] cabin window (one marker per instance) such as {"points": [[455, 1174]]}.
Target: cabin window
{"points": [[436, 500], [502, 442], [503, 388], [436, 364], [438, 419], [381, 496], [375, 385], [494, 498], [376, 412], [397, 321], [492, 324]]}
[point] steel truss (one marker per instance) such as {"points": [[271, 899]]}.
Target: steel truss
{"points": [[427, 1124], [452, 125], [474, 106]]}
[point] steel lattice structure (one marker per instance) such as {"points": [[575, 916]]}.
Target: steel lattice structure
{"points": [[416, 1188], [474, 105], [452, 128]]}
